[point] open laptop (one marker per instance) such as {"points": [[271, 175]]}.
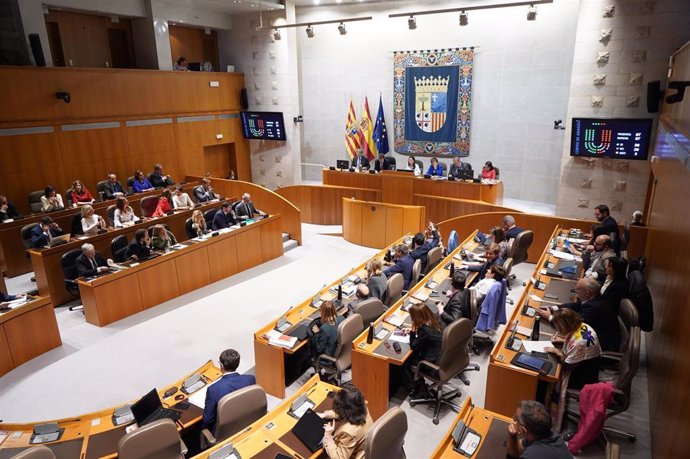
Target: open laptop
{"points": [[309, 429], [59, 240], [149, 408]]}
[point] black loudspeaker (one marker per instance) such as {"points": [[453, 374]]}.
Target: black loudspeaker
{"points": [[654, 96], [37, 50], [244, 100]]}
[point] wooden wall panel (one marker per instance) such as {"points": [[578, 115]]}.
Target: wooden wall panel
{"points": [[439, 209], [148, 145]]}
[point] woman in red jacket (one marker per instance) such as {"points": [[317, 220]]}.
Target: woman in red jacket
{"points": [[164, 204], [488, 171], [79, 194]]}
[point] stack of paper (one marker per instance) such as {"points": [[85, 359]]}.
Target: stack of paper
{"points": [[278, 339], [395, 319]]}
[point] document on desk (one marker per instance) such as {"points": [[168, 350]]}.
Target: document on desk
{"points": [[534, 297], [538, 346], [399, 337], [395, 319], [562, 255], [198, 398]]}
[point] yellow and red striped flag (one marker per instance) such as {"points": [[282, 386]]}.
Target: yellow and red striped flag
{"points": [[352, 143], [367, 132]]}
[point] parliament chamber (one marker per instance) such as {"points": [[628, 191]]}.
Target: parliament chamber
{"points": [[280, 230]]}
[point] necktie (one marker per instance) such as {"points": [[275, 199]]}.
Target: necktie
{"points": [[93, 264], [246, 208]]}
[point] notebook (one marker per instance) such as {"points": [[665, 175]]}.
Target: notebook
{"points": [[309, 429]]}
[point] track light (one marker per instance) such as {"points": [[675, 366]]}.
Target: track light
{"points": [[276, 34], [342, 29], [412, 23], [531, 13], [463, 18], [310, 31]]}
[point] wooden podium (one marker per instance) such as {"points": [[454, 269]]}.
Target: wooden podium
{"points": [[376, 224]]}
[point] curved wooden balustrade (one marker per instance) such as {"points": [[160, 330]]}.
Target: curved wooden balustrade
{"points": [[264, 199], [323, 204], [375, 224], [439, 208], [542, 225]]}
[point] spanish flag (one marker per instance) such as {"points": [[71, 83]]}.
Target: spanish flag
{"points": [[352, 143], [367, 131]]}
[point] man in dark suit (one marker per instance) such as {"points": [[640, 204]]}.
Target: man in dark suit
{"points": [[383, 163], [113, 189], [204, 192], [90, 262], [228, 383], [607, 224], [360, 161], [421, 246], [509, 227], [7, 209], [458, 306], [158, 179], [403, 265], [245, 209], [42, 232], [140, 247], [596, 312], [224, 218], [457, 166], [492, 258]]}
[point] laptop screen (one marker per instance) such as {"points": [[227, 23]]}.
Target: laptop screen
{"points": [[147, 405]]}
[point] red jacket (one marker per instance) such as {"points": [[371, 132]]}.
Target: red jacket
{"points": [[594, 399], [163, 207]]}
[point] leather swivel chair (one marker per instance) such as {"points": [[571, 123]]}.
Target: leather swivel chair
{"points": [[156, 440], [35, 201], [348, 330], [416, 271], [118, 247], [394, 289], [433, 258], [36, 452], [148, 205], [236, 411], [386, 436], [370, 310]]}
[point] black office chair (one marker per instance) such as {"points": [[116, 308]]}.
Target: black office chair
{"points": [[615, 243], [68, 262], [111, 215], [625, 240], [208, 216], [444, 168], [130, 185], [68, 197], [100, 188], [118, 247], [77, 229], [191, 233], [497, 172], [389, 163], [420, 164], [26, 235], [35, 201]]}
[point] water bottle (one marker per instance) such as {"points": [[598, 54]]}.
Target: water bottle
{"points": [[452, 269], [370, 334], [535, 329], [340, 292]]}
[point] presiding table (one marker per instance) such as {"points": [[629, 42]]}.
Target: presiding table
{"points": [[197, 263], [27, 331], [398, 187]]}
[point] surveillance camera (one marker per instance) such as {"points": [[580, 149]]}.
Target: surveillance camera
{"points": [[63, 96], [557, 124]]}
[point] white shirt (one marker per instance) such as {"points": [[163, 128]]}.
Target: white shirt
{"points": [[48, 207], [482, 287], [90, 225], [182, 200], [417, 170], [120, 218]]}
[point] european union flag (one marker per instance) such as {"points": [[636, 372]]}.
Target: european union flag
{"points": [[380, 133]]}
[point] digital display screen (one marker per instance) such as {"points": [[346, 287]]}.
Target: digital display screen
{"points": [[263, 125], [611, 138]]}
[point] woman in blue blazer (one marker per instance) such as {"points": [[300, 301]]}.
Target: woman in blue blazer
{"points": [[434, 168]]}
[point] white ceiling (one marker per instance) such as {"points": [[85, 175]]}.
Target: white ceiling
{"points": [[228, 6]]}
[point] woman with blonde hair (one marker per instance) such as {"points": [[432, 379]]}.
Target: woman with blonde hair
{"points": [[91, 223], [376, 280], [199, 223], [162, 238]]}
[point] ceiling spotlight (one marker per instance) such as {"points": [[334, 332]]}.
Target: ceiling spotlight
{"points": [[310, 31], [412, 23], [463, 18], [531, 13], [276, 34], [342, 29]]}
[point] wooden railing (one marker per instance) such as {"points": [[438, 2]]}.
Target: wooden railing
{"points": [[323, 204]]}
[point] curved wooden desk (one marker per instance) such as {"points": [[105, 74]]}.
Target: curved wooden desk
{"points": [[27, 331], [94, 435], [375, 224], [196, 265]]}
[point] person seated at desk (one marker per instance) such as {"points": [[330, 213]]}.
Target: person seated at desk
{"points": [[425, 341], [497, 236], [413, 166], [162, 238], [245, 209], [580, 349], [139, 248], [607, 224], [158, 179], [51, 200], [488, 171], [509, 227], [224, 217], [79, 194], [637, 219], [492, 257], [123, 215], [594, 256], [181, 64], [230, 382], [204, 192], [435, 168], [530, 435], [141, 183], [595, 311], [350, 410], [458, 306], [199, 223], [403, 265], [496, 273], [360, 162], [91, 222], [112, 188], [455, 169], [164, 204], [44, 231], [90, 263], [7, 209], [325, 338], [381, 164], [376, 280], [616, 285], [181, 200], [361, 294], [421, 245], [4, 298]]}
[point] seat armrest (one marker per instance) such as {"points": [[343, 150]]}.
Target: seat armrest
{"points": [[424, 363], [208, 438], [608, 355], [183, 448], [325, 357]]}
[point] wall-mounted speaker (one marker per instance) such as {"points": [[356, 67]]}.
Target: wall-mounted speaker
{"points": [[654, 96], [37, 50], [244, 99]]}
